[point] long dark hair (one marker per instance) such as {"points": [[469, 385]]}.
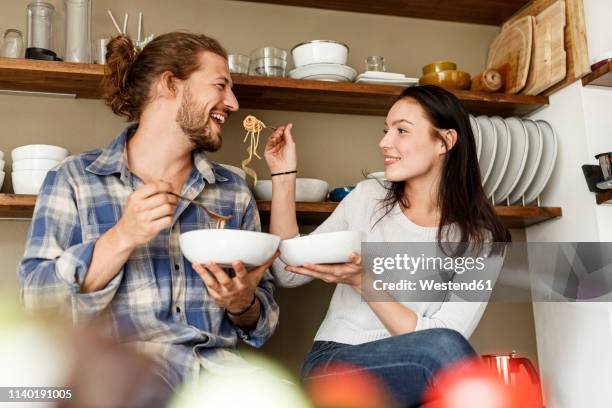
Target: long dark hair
{"points": [[461, 198]]}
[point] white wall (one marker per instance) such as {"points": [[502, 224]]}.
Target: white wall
{"points": [[597, 15], [575, 339]]}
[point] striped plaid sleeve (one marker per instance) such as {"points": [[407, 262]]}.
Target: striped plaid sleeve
{"points": [[56, 259], [268, 321]]}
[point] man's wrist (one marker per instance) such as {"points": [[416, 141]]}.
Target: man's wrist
{"points": [[244, 310]]}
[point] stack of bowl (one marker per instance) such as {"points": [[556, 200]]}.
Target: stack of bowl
{"points": [[1, 168], [268, 61], [31, 164], [444, 74], [322, 60]]}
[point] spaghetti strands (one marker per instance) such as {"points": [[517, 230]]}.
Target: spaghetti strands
{"points": [[253, 126]]}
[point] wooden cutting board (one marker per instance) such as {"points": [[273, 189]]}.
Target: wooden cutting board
{"points": [[510, 54], [548, 59]]}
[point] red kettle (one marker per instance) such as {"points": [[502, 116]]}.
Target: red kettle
{"points": [[517, 373]]}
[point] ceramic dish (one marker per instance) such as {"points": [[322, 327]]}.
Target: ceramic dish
{"points": [[381, 75], [489, 146], [516, 163], [477, 137], [28, 181], [533, 160], [39, 151], [337, 194], [320, 51], [326, 248], [447, 79], [225, 246], [547, 163], [34, 164], [502, 154], [439, 66], [2, 174], [306, 190], [402, 82], [336, 70]]}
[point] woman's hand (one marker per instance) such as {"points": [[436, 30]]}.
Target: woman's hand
{"points": [[280, 152], [349, 273]]}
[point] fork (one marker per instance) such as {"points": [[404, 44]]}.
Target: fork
{"points": [[221, 219]]}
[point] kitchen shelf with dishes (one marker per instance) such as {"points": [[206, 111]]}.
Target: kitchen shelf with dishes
{"points": [[83, 81], [14, 206], [601, 75]]}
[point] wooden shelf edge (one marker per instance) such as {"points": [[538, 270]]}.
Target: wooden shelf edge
{"points": [[83, 80], [604, 198], [22, 206], [602, 76]]}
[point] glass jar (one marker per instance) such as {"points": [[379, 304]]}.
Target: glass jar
{"points": [[78, 31], [40, 26], [12, 44]]}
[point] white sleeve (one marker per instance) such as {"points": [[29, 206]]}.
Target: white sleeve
{"points": [[461, 315], [337, 221]]}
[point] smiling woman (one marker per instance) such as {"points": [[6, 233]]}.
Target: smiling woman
{"points": [[433, 194]]}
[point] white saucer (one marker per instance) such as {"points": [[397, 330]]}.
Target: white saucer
{"points": [[326, 72], [533, 160], [402, 82], [502, 155], [518, 157], [489, 147], [381, 75], [547, 163]]}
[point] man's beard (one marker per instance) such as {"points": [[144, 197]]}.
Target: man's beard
{"points": [[194, 122]]}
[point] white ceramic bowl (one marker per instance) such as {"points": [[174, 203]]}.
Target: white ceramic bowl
{"points": [[320, 51], [2, 163], [225, 246], [306, 190], [2, 174], [235, 169], [39, 151], [34, 164], [28, 181], [331, 247]]}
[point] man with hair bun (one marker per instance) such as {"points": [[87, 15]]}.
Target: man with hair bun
{"points": [[104, 240]]}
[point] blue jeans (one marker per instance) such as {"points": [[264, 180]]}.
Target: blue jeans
{"points": [[406, 364]]}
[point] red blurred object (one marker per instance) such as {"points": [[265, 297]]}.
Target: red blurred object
{"points": [[472, 384], [519, 374], [343, 385]]}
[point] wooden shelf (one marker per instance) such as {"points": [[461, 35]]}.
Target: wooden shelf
{"points": [[604, 198], [601, 76], [22, 206], [490, 12], [83, 80]]}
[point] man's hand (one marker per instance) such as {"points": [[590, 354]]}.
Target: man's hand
{"points": [[148, 211], [233, 294]]}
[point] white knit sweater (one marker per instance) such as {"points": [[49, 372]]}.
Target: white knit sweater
{"points": [[349, 319]]}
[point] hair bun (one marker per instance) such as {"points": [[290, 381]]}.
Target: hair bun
{"points": [[120, 56]]}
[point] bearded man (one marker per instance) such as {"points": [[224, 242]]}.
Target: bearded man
{"points": [[104, 239]]}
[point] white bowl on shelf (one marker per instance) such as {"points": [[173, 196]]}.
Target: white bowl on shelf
{"points": [[34, 164], [306, 190], [327, 248], [2, 174], [28, 181], [234, 169], [225, 246], [39, 151], [320, 51], [2, 163]]}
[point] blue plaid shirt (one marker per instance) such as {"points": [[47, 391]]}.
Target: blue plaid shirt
{"points": [[157, 302]]}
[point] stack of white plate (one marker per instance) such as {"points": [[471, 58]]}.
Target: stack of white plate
{"points": [[516, 157], [322, 60], [31, 164], [324, 72], [385, 78], [1, 168]]}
